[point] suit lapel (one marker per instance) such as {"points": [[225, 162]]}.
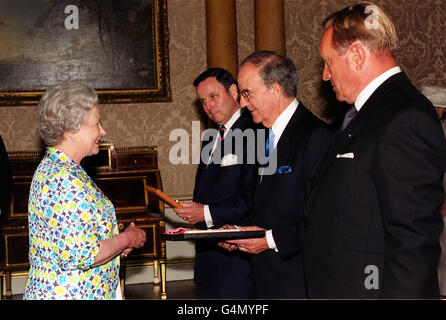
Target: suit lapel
{"points": [[219, 151], [340, 141], [285, 148], [289, 141]]}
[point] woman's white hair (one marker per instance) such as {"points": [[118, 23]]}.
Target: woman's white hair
{"points": [[62, 108]]}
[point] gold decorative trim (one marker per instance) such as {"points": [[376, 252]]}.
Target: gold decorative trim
{"points": [[146, 199], [109, 148], [24, 155], [136, 150], [12, 213], [162, 91], [155, 251], [28, 155], [12, 265], [173, 262]]}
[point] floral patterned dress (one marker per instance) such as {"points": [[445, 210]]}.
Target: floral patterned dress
{"points": [[68, 216]]}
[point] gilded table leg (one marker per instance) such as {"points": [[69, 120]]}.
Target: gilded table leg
{"points": [[122, 280], [163, 280], [8, 284], [1, 285], [156, 279]]}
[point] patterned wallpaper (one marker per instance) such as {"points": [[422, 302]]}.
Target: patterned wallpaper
{"points": [[419, 24]]}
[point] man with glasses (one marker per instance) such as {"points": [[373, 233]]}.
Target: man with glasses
{"points": [[268, 86], [223, 189]]}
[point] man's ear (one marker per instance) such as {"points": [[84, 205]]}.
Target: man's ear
{"points": [[233, 91], [357, 55], [277, 89]]}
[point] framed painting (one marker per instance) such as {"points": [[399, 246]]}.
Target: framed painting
{"points": [[118, 47]]}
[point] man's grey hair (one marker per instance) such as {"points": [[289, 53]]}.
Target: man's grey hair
{"points": [[62, 108], [273, 68]]}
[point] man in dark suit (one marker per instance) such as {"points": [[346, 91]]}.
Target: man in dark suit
{"points": [[372, 219], [223, 189], [268, 86]]}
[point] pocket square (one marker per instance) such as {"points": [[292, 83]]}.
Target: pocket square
{"points": [[284, 169], [348, 155], [229, 160]]}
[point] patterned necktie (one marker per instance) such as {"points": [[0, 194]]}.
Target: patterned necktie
{"points": [[351, 113], [222, 132]]}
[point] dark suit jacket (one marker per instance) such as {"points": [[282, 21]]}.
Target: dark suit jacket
{"points": [[279, 204], [228, 192], [5, 179], [376, 216]]}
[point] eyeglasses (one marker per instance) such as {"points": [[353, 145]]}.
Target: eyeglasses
{"points": [[247, 94]]}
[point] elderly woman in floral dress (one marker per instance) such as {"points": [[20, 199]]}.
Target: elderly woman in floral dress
{"points": [[74, 242]]}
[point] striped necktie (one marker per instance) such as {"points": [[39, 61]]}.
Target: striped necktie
{"points": [[351, 113], [222, 132]]}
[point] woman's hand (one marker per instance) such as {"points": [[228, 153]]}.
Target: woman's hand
{"points": [[126, 252], [132, 237], [136, 236]]}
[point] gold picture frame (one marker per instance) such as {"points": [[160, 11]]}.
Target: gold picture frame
{"points": [[120, 48]]}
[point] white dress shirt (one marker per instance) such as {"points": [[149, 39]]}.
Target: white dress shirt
{"points": [[365, 94]]}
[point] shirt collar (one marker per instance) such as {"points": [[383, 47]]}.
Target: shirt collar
{"points": [[365, 94], [228, 126], [233, 119], [282, 120]]}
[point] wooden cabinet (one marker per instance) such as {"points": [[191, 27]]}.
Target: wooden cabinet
{"points": [[121, 173]]}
